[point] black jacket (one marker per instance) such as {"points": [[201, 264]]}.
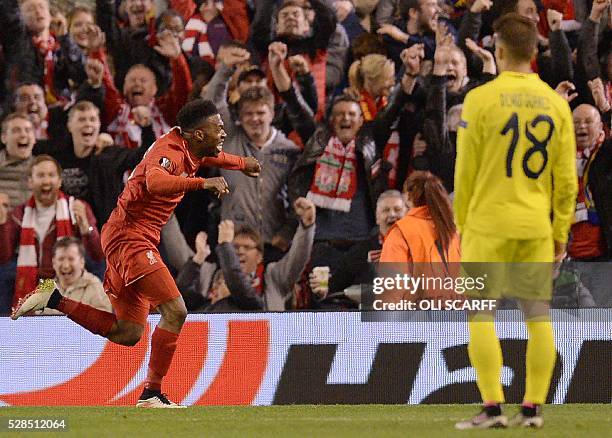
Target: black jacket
{"points": [[24, 63], [600, 183], [322, 29], [552, 69], [370, 143], [104, 172], [131, 46], [439, 158]]}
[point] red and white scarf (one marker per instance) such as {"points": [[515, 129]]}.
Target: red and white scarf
{"points": [[41, 132], [335, 180], [369, 108], [127, 133], [47, 48], [27, 260], [196, 32]]}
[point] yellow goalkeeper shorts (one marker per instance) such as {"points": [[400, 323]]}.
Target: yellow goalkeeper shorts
{"points": [[517, 268]]}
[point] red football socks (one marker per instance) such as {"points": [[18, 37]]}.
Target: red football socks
{"points": [[96, 321], [163, 345]]}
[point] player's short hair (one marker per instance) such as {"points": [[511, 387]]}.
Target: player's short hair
{"points": [[518, 34], [67, 242], [41, 159], [194, 113], [256, 94], [251, 233], [83, 105], [10, 118]]}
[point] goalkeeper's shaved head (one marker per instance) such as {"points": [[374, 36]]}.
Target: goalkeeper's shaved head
{"points": [[517, 35]]}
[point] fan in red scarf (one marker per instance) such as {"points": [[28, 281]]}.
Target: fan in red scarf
{"points": [[129, 113], [210, 23], [37, 20], [33, 227]]}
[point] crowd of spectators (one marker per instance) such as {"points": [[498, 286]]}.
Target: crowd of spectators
{"points": [[339, 100]]}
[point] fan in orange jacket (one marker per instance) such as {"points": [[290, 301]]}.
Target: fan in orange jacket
{"points": [[426, 238]]}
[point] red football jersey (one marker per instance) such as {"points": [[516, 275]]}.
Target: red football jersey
{"points": [[170, 168]]}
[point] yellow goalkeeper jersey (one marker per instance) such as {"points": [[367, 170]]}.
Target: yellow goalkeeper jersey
{"points": [[516, 160]]}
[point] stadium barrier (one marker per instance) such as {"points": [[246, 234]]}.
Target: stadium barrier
{"points": [[296, 358]]}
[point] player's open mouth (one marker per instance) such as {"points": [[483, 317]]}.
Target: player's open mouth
{"points": [[46, 191], [23, 144]]}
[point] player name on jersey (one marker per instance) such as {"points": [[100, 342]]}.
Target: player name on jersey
{"points": [[524, 100]]}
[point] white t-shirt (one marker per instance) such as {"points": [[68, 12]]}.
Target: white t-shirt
{"points": [[42, 221]]}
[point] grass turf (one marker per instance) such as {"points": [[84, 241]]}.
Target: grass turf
{"points": [[306, 421]]}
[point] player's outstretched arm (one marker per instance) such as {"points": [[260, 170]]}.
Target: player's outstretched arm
{"points": [[248, 165], [225, 161], [159, 182]]}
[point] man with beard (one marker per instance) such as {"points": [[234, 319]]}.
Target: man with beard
{"points": [[418, 25], [32, 228]]}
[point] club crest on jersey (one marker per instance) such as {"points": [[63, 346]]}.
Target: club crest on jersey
{"points": [[165, 163], [151, 257]]}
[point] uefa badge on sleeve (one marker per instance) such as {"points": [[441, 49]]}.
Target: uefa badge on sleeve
{"points": [[165, 163]]}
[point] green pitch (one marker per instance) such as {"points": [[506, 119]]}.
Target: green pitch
{"points": [[371, 421]]}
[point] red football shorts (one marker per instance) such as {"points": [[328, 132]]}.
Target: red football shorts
{"points": [[136, 279]]}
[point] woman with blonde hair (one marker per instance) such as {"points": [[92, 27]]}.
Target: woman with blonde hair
{"points": [[371, 80]]}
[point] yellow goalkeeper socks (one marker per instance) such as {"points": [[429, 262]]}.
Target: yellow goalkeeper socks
{"points": [[486, 357], [541, 356]]}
